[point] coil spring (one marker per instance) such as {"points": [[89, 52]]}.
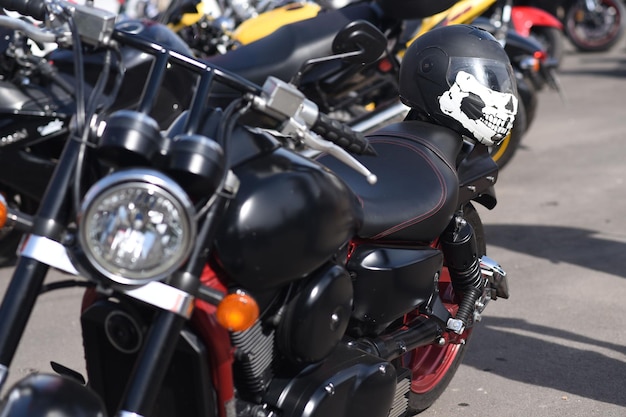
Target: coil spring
{"points": [[460, 250]]}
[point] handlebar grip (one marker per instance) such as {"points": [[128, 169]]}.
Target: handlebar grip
{"points": [[33, 8], [342, 135]]}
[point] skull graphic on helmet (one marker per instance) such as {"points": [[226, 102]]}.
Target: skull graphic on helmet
{"points": [[486, 113]]}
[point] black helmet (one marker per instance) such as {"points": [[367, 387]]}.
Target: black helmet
{"points": [[459, 76]]}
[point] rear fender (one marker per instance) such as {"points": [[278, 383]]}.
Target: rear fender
{"points": [[524, 18], [42, 395]]}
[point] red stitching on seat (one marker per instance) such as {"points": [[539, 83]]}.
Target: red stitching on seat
{"points": [[439, 204]]}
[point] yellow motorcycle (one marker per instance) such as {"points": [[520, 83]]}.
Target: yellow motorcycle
{"points": [[211, 29], [462, 12]]}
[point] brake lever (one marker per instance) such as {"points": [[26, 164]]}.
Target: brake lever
{"points": [[314, 141], [299, 117]]}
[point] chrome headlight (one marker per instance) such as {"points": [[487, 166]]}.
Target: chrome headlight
{"points": [[136, 226]]}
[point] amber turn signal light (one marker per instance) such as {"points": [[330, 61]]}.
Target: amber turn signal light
{"points": [[237, 312], [3, 211]]}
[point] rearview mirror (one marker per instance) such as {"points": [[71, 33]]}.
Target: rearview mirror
{"points": [[360, 42]]}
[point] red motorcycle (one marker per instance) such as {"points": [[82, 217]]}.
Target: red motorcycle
{"points": [[529, 21], [590, 25]]}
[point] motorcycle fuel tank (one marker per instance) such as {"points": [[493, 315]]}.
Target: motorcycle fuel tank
{"points": [[289, 216]]}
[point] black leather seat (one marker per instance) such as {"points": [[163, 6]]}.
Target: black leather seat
{"points": [[282, 53], [417, 189]]}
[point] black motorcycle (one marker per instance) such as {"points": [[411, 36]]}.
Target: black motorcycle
{"points": [[228, 274]]}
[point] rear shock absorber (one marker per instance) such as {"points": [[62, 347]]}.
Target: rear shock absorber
{"points": [[459, 247]]}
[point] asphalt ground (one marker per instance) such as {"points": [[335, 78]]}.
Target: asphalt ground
{"points": [[557, 347]]}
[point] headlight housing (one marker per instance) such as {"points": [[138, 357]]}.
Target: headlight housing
{"points": [[136, 226]]}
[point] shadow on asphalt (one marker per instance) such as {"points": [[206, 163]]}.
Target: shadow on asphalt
{"points": [[595, 63], [601, 72], [548, 356], [544, 356], [557, 244]]}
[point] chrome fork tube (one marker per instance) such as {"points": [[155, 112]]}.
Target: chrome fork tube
{"points": [[29, 274]]}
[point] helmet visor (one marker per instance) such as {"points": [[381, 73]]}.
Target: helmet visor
{"points": [[495, 75]]}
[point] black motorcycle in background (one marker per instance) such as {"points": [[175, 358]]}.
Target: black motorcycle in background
{"points": [[38, 99], [228, 274], [590, 25]]}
